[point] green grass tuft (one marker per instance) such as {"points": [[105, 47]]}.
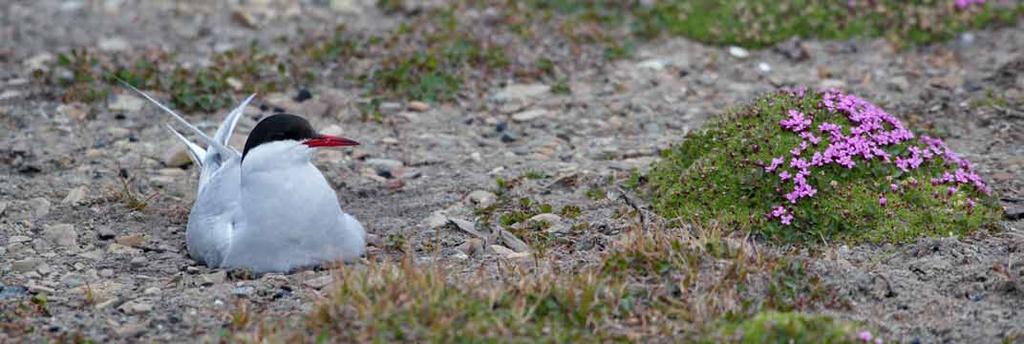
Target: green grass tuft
{"points": [[430, 58], [207, 88], [788, 327], [718, 176], [404, 302]]}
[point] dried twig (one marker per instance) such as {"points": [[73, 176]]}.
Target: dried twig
{"points": [[629, 201]]}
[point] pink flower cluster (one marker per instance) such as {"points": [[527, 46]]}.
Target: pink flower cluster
{"points": [[865, 336], [796, 122], [962, 4], [782, 214], [961, 177], [799, 91], [873, 129], [964, 174]]}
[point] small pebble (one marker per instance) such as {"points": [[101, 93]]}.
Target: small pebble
{"points": [[243, 291], [105, 233], [482, 198], [303, 95], [508, 137], [319, 282], [418, 106], [26, 265], [738, 52]]}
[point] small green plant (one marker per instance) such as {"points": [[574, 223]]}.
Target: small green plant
{"points": [[241, 316], [561, 87], [397, 242], [596, 193], [90, 295], [371, 111], [534, 175], [82, 85], [130, 197], [809, 166], [571, 211], [391, 6], [791, 287], [634, 181], [502, 185], [41, 304], [790, 327]]}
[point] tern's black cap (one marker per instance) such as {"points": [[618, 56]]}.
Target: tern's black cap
{"points": [[279, 127]]}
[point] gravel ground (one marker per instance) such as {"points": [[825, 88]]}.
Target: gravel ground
{"points": [[111, 273]]}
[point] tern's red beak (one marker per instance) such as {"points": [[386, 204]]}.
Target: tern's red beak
{"points": [[329, 141]]}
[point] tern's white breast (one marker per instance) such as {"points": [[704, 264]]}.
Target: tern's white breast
{"points": [[289, 214]]}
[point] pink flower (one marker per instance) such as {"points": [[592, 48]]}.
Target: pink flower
{"points": [[963, 4], [864, 336], [782, 214], [775, 164], [809, 137], [894, 187], [798, 91], [795, 152], [800, 164], [796, 122], [882, 201]]}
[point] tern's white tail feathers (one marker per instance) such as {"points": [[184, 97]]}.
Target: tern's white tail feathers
{"points": [[228, 126], [194, 151], [215, 146]]}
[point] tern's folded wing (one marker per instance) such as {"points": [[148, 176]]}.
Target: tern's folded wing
{"points": [[215, 213]]}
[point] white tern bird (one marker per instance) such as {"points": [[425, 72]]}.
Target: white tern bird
{"points": [[266, 209]]}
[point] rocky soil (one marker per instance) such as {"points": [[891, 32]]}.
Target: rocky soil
{"points": [[72, 174]]}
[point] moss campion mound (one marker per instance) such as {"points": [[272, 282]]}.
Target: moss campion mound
{"points": [[812, 166]]}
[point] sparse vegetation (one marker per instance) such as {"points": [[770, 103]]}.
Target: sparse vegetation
{"points": [[435, 56], [682, 284], [762, 23], [756, 23], [535, 175], [571, 211], [14, 315], [595, 193], [241, 316], [190, 89], [130, 197]]}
